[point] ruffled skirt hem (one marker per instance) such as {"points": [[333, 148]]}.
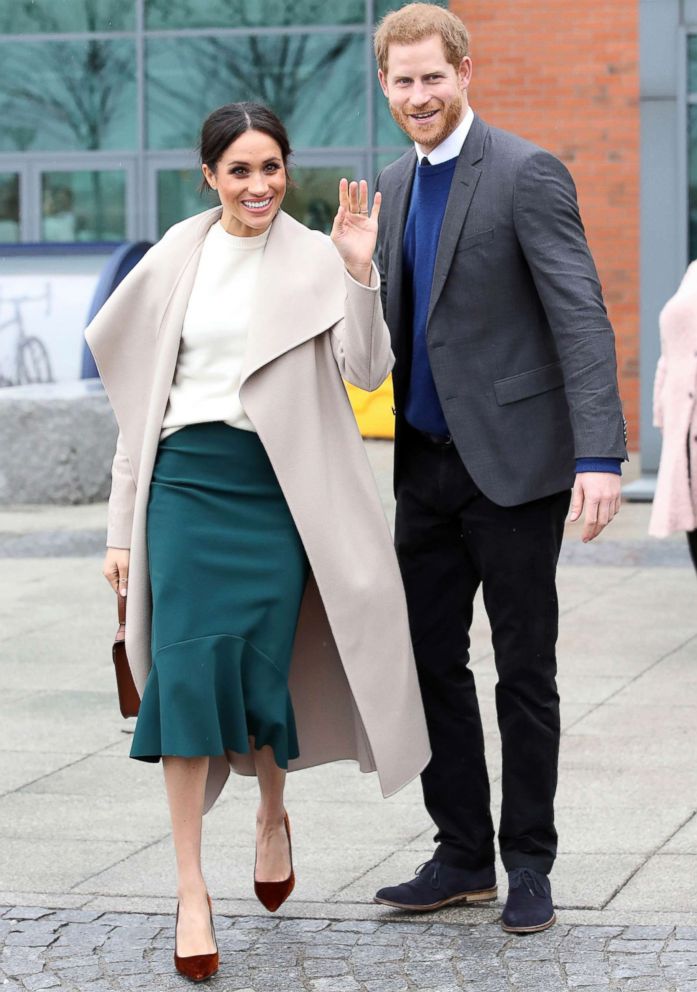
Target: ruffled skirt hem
{"points": [[214, 694]]}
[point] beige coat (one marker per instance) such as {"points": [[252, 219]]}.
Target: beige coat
{"points": [[353, 679], [675, 412]]}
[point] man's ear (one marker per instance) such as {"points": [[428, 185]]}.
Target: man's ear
{"points": [[465, 72], [383, 81]]}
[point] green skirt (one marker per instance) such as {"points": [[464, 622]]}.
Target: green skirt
{"points": [[227, 573]]}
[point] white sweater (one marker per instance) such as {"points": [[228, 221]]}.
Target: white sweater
{"points": [[214, 334]]}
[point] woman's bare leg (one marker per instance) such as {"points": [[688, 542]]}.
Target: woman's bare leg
{"points": [[273, 857], [185, 779]]}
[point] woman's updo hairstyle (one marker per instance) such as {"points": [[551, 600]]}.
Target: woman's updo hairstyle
{"points": [[227, 123]]}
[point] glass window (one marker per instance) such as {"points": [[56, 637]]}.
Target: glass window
{"points": [[314, 197], [83, 206], [692, 64], [9, 207], [57, 95], [57, 16], [383, 7], [187, 78], [178, 197], [250, 13]]}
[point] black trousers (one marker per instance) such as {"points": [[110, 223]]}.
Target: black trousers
{"points": [[449, 539]]}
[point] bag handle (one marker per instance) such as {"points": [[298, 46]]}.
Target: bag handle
{"points": [[122, 609]]}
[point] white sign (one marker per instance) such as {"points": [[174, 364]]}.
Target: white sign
{"points": [[42, 322]]}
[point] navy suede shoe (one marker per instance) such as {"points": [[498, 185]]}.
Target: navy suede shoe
{"points": [[436, 885], [529, 906]]}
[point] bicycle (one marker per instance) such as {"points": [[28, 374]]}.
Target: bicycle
{"points": [[31, 360]]}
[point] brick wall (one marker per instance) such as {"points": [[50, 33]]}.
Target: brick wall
{"points": [[565, 75]]}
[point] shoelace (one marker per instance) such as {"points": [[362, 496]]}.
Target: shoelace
{"points": [[528, 878], [435, 874]]}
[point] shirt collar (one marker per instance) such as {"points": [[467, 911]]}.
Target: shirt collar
{"points": [[451, 146]]}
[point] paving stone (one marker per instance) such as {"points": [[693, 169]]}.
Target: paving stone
{"points": [[357, 926], [387, 985], [26, 913], [256, 923], [335, 985], [681, 945], [27, 938], [74, 915], [43, 980], [636, 946], [325, 967], [302, 926], [647, 932], [128, 952], [679, 959]]}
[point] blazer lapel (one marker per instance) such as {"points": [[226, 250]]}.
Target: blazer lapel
{"points": [[464, 184]]}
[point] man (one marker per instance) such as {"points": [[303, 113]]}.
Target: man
{"points": [[506, 397]]}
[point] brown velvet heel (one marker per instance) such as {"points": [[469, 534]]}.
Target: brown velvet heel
{"points": [[274, 894], [197, 967]]}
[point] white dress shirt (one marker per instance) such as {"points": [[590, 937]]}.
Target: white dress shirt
{"points": [[451, 146]]}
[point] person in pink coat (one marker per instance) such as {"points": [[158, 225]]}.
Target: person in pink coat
{"points": [[675, 413]]}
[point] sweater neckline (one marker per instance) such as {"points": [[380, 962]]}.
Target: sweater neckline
{"points": [[437, 170], [235, 242]]}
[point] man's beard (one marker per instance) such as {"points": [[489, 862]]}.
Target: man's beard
{"points": [[452, 113]]}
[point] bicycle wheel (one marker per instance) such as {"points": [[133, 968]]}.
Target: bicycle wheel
{"points": [[33, 364]]}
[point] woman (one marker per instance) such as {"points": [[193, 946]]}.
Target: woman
{"points": [[675, 413], [263, 590]]}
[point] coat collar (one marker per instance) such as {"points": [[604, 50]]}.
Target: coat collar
{"points": [[135, 337]]}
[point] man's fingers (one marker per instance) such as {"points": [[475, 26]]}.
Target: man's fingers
{"points": [[590, 521], [576, 502], [605, 513]]}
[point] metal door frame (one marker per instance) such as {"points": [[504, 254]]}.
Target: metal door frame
{"points": [[35, 164]]}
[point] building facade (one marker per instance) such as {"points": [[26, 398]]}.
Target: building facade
{"points": [[102, 100]]}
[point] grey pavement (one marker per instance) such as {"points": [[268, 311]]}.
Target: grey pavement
{"points": [[84, 830]]}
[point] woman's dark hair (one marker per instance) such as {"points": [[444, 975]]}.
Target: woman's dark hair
{"points": [[227, 123]]}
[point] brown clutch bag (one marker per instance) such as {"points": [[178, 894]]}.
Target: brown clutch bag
{"points": [[129, 700]]}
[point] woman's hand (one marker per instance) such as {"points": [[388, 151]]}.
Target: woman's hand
{"points": [[355, 229], [116, 569]]}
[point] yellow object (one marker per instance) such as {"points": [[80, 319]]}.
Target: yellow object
{"points": [[374, 411]]}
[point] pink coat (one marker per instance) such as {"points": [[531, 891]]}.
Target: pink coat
{"points": [[675, 412]]}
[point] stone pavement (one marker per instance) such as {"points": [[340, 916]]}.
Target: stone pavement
{"points": [[91, 952], [84, 830]]}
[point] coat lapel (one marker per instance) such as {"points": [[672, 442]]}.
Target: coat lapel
{"points": [[298, 294], [464, 184]]}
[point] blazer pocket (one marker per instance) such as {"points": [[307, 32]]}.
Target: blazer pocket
{"points": [[478, 238], [526, 384]]}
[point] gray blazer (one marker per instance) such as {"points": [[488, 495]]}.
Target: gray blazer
{"points": [[522, 352]]}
